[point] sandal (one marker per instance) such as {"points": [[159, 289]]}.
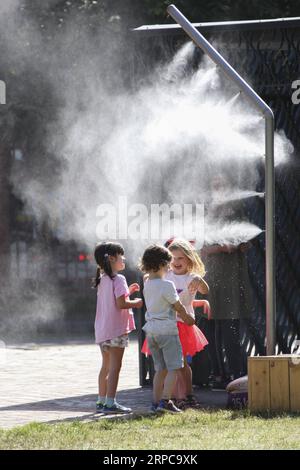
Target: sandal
{"points": [[192, 402], [181, 403]]}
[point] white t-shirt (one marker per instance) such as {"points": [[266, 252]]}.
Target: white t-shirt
{"points": [[182, 282], [160, 296]]}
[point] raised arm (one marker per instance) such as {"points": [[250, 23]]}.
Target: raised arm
{"points": [[198, 284]]}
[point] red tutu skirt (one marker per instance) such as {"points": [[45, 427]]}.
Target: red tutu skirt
{"points": [[191, 338]]}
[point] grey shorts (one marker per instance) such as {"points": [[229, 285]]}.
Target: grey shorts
{"points": [[166, 352]]}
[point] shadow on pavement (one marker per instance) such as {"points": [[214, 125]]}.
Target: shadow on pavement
{"points": [[137, 399]]}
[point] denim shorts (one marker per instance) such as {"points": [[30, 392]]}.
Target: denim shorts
{"points": [[166, 352]]}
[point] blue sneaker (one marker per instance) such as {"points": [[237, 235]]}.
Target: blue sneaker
{"points": [[153, 408], [99, 407], [167, 406], [116, 408]]}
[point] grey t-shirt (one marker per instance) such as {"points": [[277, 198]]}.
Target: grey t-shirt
{"points": [[160, 296]]}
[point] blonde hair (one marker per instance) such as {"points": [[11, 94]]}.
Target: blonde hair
{"points": [[196, 265]]}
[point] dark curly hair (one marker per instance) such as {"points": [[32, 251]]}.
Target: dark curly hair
{"points": [[154, 257], [102, 252]]}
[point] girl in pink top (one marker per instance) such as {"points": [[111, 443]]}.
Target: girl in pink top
{"points": [[114, 320]]}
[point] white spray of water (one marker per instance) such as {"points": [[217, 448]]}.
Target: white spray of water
{"points": [[31, 298], [233, 233], [160, 143], [163, 142], [148, 144], [235, 196]]}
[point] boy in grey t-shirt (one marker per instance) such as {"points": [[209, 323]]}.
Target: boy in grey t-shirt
{"points": [[162, 303]]}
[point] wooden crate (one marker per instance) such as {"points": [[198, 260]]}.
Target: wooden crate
{"points": [[274, 383]]}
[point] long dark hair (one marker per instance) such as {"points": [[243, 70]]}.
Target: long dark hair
{"points": [[102, 252]]}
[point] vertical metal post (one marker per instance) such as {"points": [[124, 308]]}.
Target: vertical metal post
{"points": [[253, 97], [270, 236]]}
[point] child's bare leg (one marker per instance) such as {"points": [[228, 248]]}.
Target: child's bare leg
{"points": [[158, 385], [187, 377], [169, 384], [179, 391], [103, 374], [115, 363]]}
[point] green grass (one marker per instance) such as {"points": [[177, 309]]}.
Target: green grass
{"points": [[191, 430]]}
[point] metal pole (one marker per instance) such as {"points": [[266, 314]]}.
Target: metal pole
{"points": [[270, 237], [253, 97]]}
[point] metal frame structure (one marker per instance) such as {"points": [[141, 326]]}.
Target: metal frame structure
{"points": [[246, 25], [268, 115]]}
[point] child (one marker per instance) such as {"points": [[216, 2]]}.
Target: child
{"points": [[187, 271], [162, 303], [114, 320]]}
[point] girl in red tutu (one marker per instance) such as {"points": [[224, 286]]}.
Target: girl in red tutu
{"points": [[187, 271]]}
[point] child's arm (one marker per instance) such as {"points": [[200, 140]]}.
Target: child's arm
{"points": [[134, 288], [198, 284], [123, 303], [183, 314], [205, 305]]}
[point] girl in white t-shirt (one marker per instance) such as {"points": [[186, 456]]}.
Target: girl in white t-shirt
{"points": [[187, 271], [162, 303]]}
